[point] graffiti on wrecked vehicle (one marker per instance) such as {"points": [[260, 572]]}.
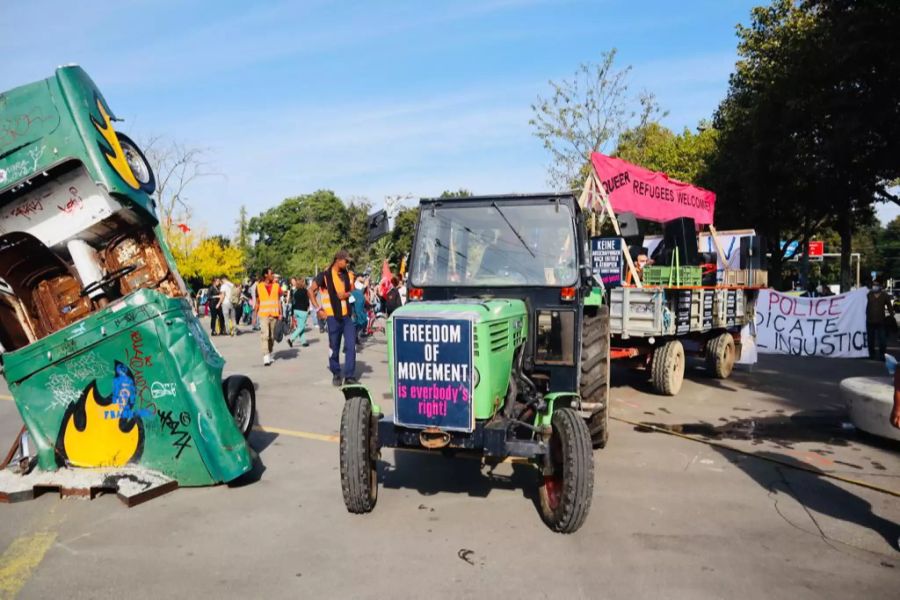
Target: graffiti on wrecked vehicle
{"points": [[13, 129], [177, 429], [161, 390], [88, 439]]}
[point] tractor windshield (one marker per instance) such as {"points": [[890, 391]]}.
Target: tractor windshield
{"points": [[495, 244]]}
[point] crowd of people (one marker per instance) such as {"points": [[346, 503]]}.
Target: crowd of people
{"points": [[335, 301]]}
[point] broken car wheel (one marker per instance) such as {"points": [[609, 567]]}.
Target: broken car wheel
{"points": [[240, 396]]}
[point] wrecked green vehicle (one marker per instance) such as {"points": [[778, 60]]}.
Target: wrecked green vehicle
{"points": [[106, 362]]}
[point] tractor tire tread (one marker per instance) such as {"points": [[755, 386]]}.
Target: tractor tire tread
{"points": [[665, 380], [719, 362], [355, 455], [594, 381], [577, 491]]}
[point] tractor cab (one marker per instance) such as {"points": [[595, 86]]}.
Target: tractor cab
{"points": [[530, 248]]}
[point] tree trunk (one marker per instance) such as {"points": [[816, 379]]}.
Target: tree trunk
{"points": [[776, 264], [845, 230]]}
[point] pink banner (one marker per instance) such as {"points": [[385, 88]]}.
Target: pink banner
{"points": [[650, 195]]}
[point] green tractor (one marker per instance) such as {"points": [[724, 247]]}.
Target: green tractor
{"points": [[502, 351]]}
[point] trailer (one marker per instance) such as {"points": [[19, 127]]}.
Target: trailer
{"points": [[661, 314]]}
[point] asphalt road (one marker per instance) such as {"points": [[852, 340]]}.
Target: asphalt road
{"points": [[671, 518]]}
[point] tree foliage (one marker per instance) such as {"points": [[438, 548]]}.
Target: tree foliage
{"points": [[200, 259], [300, 235], [585, 114], [404, 231], [685, 156], [809, 129], [176, 166]]}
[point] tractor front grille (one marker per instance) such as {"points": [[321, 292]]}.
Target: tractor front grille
{"points": [[499, 333]]}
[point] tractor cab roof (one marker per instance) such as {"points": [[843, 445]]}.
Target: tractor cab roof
{"points": [[566, 198]]}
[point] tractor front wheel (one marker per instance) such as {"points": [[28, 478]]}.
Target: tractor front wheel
{"points": [[359, 453], [667, 368], [565, 494]]}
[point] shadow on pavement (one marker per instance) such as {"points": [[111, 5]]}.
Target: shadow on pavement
{"points": [[362, 367], [813, 492], [434, 473]]}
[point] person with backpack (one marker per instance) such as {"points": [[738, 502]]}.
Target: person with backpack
{"points": [[360, 317]]}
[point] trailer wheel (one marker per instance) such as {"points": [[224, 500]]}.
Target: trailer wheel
{"points": [[594, 382], [720, 355], [240, 397], [359, 450], [566, 493], [667, 368]]}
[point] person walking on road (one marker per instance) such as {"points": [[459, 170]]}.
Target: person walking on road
{"points": [[878, 311], [227, 290], [214, 300], [267, 312], [358, 308], [300, 307], [336, 284]]}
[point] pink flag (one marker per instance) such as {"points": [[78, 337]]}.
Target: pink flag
{"points": [[651, 195], [385, 285]]}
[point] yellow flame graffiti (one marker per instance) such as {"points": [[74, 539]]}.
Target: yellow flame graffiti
{"points": [[117, 159], [101, 443]]}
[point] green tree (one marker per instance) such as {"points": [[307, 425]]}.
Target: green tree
{"points": [[586, 114], [809, 132], [301, 234], [889, 244], [357, 233], [685, 157], [404, 231], [242, 237], [460, 193]]}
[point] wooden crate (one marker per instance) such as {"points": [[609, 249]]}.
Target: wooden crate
{"points": [[746, 278]]}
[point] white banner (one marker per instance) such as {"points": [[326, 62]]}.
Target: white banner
{"points": [[833, 326]]}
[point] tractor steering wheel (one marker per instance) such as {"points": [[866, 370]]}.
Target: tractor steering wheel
{"points": [[110, 277]]}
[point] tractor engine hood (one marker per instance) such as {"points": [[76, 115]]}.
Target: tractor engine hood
{"points": [[450, 362]]}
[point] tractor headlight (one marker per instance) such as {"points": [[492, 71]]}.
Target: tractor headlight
{"points": [[476, 377]]}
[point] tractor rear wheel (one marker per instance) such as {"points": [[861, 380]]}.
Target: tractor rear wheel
{"points": [[594, 383], [720, 355], [667, 368], [359, 451], [566, 493]]}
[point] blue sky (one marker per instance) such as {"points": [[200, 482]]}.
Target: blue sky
{"points": [[365, 98]]}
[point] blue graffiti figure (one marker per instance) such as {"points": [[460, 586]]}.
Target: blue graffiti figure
{"points": [[124, 391]]}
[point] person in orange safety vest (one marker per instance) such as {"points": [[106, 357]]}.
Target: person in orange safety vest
{"points": [[268, 311], [333, 306]]}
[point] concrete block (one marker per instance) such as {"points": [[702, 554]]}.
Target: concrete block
{"points": [[869, 401]]}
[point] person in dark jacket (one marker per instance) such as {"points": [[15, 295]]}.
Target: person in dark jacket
{"points": [[878, 311], [300, 307]]}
